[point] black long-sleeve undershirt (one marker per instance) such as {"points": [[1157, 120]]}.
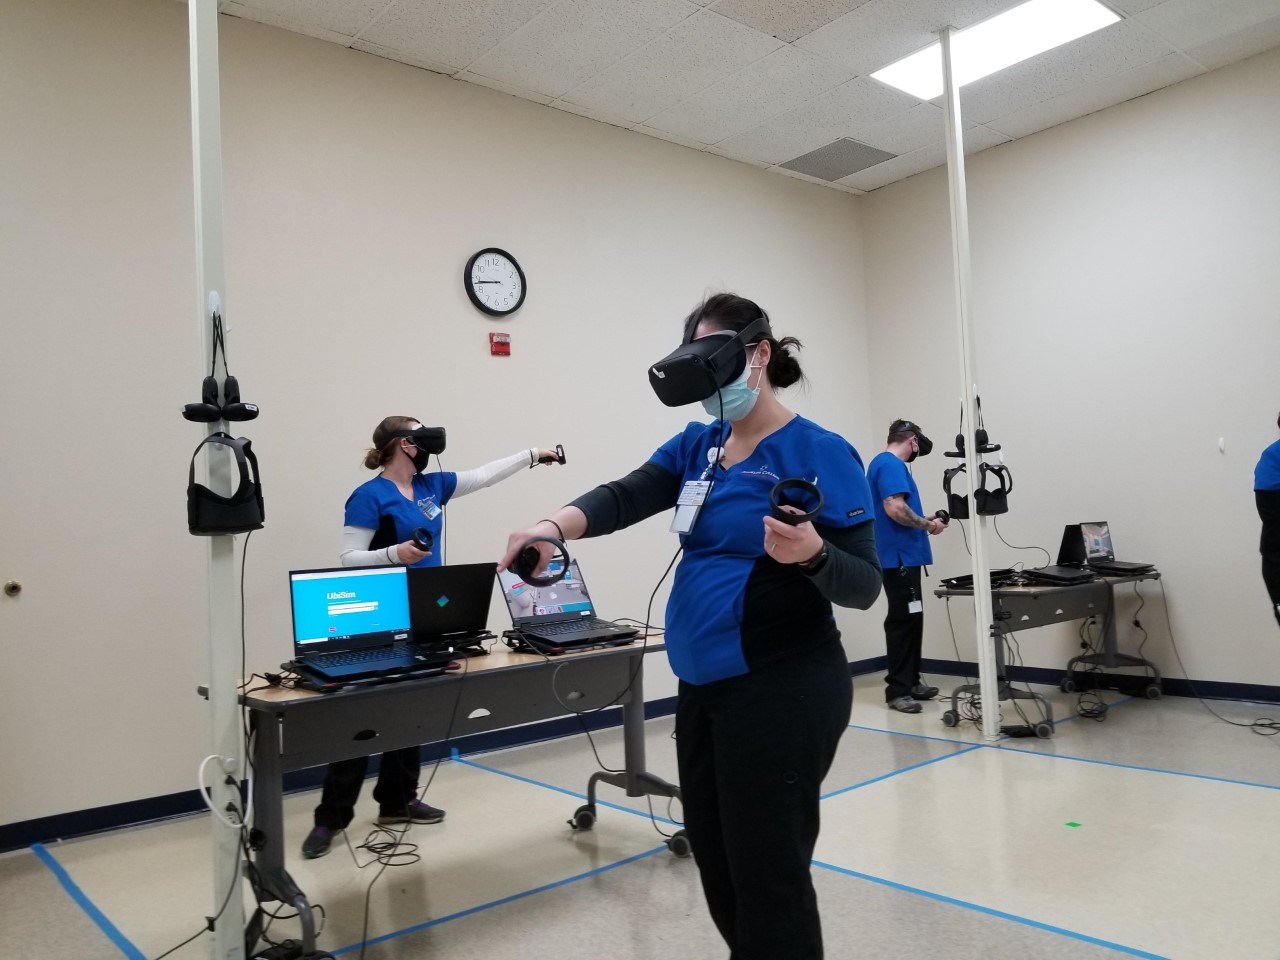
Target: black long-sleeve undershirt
{"points": [[850, 578]]}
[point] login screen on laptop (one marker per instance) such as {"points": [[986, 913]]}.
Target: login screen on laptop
{"points": [[333, 605]]}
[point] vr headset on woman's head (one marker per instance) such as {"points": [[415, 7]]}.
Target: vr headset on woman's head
{"points": [[696, 369], [430, 440]]}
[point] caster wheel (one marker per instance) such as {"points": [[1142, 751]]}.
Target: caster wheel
{"points": [[584, 818], [950, 718], [1044, 730], [678, 844], [1153, 691], [1067, 685]]}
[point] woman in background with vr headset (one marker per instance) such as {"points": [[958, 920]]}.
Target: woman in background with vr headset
{"points": [[765, 692], [386, 519]]}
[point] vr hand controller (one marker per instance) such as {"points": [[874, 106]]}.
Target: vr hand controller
{"points": [[943, 516], [423, 539], [784, 495], [527, 560], [558, 458]]}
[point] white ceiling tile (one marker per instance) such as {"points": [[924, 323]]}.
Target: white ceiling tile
{"points": [[450, 31], [246, 12], [1096, 96], [732, 156], [786, 19], [502, 87], [696, 53], [576, 39], [1237, 46], [1105, 53], [883, 31], [827, 117], [910, 130], [342, 17], [1131, 6], [976, 139], [780, 82], [380, 51], [669, 137], [1187, 23]]}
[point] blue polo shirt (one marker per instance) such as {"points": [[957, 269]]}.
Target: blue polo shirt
{"points": [[898, 545], [724, 556], [1266, 475], [378, 505]]}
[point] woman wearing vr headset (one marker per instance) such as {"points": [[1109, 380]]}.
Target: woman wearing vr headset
{"points": [[765, 692], [385, 520]]}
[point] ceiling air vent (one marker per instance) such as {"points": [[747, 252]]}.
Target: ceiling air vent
{"points": [[837, 159]]}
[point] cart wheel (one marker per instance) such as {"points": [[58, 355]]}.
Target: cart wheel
{"points": [[1067, 685], [678, 844], [584, 818], [1044, 730], [950, 718], [1153, 691]]}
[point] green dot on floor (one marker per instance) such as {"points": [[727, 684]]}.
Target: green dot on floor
{"points": [[1072, 823]]}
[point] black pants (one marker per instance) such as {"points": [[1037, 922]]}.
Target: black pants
{"points": [[903, 632], [752, 752], [397, 785], [1271, 577]]}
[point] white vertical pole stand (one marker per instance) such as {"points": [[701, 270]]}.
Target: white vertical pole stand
{"points": [[226, 734], [984, 624]]}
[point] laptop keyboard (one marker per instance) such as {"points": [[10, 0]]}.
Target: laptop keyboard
{"points": [[571, 626], [350, 657]]}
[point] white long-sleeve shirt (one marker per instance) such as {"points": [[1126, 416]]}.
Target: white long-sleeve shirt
{"points": [[356, 540]]}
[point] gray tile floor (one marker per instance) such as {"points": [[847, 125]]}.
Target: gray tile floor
{"points": [[1151, 834]]}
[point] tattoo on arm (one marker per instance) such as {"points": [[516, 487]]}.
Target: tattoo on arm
{"points": [[896, 507]]}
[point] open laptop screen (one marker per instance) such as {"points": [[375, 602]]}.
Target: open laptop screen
{"points": [[565, 600], [1097, 541], [348, 608]]}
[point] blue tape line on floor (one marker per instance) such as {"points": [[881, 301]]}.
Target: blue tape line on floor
{"points": [[1134, 766], [894, 773], [989, 911], [97, 916], [568, 793], [498, 903]]}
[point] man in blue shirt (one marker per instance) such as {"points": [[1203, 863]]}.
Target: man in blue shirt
{"points": [[902, 541], [1266, 491]]}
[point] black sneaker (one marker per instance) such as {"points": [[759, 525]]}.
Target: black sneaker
{"points": [[317, 843], [922, 691], [416, 811]]}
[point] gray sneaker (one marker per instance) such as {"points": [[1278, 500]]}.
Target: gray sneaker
{"points": [[905, 705]]}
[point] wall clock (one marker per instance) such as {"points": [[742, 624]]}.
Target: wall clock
{"points": [[494, 281]]}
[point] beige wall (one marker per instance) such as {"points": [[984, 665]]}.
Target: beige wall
{"points": [[1125, 314], [355, 190]]}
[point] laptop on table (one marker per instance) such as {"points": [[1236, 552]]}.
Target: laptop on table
{"points": [[352, 623], [559, 617], [1089, 545], [449, 607]]}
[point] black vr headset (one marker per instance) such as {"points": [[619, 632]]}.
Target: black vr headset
{"points": [[696, 369], [210, 514], [899, 427], [429, 440]]}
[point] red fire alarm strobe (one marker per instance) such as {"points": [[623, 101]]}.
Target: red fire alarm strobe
{"points": [[500, 344]]}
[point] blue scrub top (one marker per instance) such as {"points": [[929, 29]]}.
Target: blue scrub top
{"points": [[379, 505], [1266, 475], [898, 545], [704, 611]]}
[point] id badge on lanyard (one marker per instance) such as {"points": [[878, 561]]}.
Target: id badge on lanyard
{"points": [[693, 495]]}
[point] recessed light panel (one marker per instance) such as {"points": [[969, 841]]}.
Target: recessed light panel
{"points": [[1008, 38]]}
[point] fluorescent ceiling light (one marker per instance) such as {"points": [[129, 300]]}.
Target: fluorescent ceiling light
{"points": [[1005, 39]]}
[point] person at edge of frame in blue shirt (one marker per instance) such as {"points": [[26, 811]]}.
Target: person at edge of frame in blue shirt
{"points": [[1266, 492], [381, 517], [902, 538], [764, 692]]}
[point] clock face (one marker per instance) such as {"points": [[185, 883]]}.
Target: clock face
{"points": [[494, 281]]}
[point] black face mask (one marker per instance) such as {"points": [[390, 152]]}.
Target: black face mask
{"points": [[421, 458]]}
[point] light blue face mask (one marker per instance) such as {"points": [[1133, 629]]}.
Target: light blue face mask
{"points": [[734, 400]]}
